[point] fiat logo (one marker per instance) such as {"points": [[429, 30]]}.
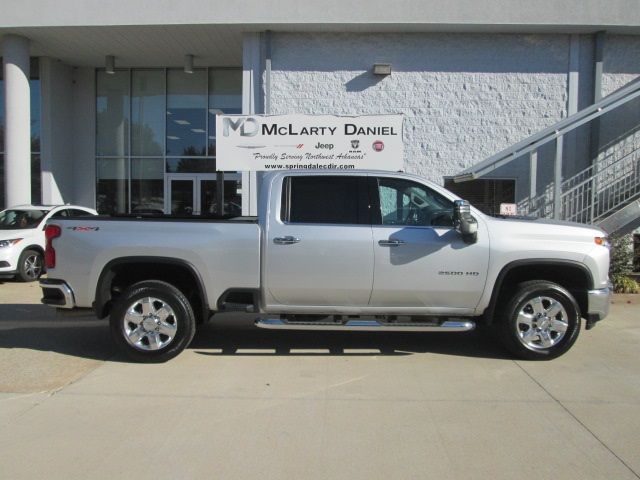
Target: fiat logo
{"points": [[378, 145]]}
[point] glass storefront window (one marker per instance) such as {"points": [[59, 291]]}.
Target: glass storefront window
{"points": [[36, 180], [1, 113], [112, 180], [155, 127], [2, 205], [147, 112], [191, 165], [225, 96], [186, 113], [147, 185], [112, 113]]}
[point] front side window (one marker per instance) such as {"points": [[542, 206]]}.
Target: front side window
{"points": [[403, 202], [325, 199]]}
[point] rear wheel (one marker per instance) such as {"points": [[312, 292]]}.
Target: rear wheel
{"points": [[540, 322], [30, 266], [152, 321]]}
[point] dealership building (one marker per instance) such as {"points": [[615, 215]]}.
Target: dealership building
{"points": [[113, 104]]}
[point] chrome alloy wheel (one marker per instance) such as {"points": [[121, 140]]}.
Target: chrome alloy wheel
{"points": [[150, 324], [33, 266], [542, 323]]}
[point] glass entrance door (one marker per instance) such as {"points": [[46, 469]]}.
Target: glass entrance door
{"points": [[203, 194], [181, 198]]}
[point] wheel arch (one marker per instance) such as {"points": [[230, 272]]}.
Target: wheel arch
{"points": [[35, 247], [574, 276], [122, 272]]}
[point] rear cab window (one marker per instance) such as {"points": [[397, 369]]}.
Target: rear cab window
{"points": [[325, 199]]}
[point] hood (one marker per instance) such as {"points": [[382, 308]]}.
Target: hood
{"points": [[17, 233], [545, 226]]}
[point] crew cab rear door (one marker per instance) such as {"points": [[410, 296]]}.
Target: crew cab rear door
{"points": [[318, 246], [421, 261]]}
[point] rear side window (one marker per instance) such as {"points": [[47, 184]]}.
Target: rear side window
{"points": [[79, 213], [325, 199], [60, 214]]}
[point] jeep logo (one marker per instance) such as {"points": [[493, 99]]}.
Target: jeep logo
{"points": [[248, 126]]}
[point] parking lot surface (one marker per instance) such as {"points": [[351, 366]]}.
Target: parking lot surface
{"points": [[245, 403]]}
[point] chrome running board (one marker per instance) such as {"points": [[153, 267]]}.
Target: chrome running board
{"points": [[366, 326]]}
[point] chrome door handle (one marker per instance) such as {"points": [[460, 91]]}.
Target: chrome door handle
{"points": [[391, 243], [288, 240]]}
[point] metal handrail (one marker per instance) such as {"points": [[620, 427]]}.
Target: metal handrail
{"points": [[554, 132], [601, 193]]}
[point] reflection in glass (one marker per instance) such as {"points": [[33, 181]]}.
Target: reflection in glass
{"points": [[208, 196], [1, 115], [147, 185], [225, 96], [111, 185], [191, 165], [112, 113], [182, 197], [232, 197], [2, 205], [34, 91], [186, 112], [147, 112], [36, 180]]}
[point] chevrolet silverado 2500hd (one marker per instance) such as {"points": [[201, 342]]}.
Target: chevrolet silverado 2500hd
{"points": [[362, 250]]}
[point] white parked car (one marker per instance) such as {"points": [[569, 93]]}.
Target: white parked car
{"points": [[22, 240]]}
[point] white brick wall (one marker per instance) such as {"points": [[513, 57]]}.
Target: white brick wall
{"points": [[464, 96], [621, 59]]}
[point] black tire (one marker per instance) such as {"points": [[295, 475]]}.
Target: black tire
{"points": [[150, 348], [550, 342], [30, 266]]}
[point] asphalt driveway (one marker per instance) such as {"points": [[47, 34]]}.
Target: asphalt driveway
{"points": [[245, 403]]}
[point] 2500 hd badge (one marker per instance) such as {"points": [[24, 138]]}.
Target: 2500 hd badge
{"points": [[448, 272]]}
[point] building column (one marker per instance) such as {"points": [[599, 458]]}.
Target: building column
{"points": [[251, 104], [17, 135]]}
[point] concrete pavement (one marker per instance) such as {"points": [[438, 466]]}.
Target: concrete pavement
{"points": [[244, 403]]}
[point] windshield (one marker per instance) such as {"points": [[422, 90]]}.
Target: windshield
{"points": [[17, 219]]}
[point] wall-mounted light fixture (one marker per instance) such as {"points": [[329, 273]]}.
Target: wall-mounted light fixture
{"points": [[382, 69], [110, 64], [188, 64]]}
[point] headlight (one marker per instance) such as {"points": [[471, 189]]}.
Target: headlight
{"points": [[8, 243], [603, 241]]}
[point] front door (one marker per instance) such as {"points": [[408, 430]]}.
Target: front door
{"points": [[203, 194], [421, 261]]}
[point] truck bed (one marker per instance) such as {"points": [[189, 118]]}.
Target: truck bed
{"points": [[225, 251]]}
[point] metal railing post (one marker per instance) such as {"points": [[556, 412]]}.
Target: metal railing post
{"points": [[592, 207], [557, 179], [533, 178]]}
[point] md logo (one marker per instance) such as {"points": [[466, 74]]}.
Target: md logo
{"points": [[248, 126]]}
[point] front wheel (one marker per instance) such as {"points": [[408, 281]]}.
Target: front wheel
{"points": [[152, 321], [540, 322]]}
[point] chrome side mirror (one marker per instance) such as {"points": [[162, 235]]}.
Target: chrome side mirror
{"points": [[463, 222]]}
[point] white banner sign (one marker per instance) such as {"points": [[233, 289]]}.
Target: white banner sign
{"points": [[276, 142]]}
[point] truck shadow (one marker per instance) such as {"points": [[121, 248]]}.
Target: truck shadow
{"points": [[37, 327], [235, 334]]}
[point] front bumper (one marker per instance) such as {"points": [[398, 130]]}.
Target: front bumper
{"points": [[57, 294], [598, 305]]}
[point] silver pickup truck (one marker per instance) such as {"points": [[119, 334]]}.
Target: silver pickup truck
{"points": [[363, 250]]}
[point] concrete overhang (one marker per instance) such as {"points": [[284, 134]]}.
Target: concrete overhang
{"points": [[160, 33]]}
